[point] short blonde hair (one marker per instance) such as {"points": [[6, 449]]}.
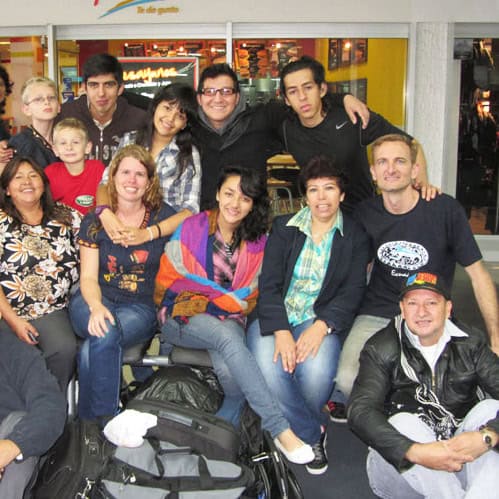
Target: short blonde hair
{"points": [[397, 137], [36, 80], [72, 124]]}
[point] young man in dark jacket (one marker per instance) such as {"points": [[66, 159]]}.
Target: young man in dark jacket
{"points": [[106, 114], [231, 132], [415, 402]]}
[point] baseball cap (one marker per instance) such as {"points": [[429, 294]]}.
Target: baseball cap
{"points": [[425, 280]]}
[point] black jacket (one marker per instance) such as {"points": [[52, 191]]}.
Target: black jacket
{"points": [[344, 280], [28, 386], [465, 364], [249, 140]]}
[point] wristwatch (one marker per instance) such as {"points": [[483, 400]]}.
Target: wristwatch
{"points": [[100, 208], [487, 436], [329, 329]]}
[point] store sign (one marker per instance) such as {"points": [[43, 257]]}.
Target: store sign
{"points": [[142, 7], [144, 75]]}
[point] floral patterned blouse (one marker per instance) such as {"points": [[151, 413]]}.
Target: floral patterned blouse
{"points": [[38, 265]]}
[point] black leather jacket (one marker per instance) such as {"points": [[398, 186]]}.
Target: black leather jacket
{"points": [[381, 385]]}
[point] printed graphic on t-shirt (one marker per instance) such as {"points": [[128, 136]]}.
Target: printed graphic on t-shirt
{"points": [[403, 255], [85, 200], [131, 277]]}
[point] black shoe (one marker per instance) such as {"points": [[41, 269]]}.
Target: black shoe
{"points": [[319, 465], [337, 412]]}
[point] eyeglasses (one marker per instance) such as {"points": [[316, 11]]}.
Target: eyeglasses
{"points": [[224, 91], [40, 100]]}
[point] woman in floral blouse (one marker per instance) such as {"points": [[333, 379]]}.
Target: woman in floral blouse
{"points": [[38, 265]]}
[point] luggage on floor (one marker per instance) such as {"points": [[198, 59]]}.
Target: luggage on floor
{"points": [[188, 386], [74, 463], [204, 433], [158, 470]]}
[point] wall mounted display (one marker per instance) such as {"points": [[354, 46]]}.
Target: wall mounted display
{"points": [[346, 51]]}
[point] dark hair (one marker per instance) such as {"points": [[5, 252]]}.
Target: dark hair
{"points": [[318, 73], [51, 210], [4, 75], [101, 64], [218, 70], [253, 185], [184, 96], [321, 167]]}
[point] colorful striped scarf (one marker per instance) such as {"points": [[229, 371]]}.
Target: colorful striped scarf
{"points": [[183, 288]]}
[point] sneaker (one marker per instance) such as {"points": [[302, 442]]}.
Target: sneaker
{"points": [[319, 465], [337, 412]]}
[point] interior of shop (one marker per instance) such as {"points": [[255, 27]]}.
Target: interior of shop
{"points": [[356, 65], [478, 157]]}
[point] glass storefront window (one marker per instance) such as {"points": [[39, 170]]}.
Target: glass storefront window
{"points": [[22, 57], [144, 53], [355, 65], [478, 155]]}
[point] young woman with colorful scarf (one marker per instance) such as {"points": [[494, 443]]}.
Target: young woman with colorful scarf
{"points": [[207, 286]]}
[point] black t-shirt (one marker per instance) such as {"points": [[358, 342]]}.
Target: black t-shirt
{"points": [[432, 236], [338, 138]]}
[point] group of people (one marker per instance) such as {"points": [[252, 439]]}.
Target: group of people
{"points": [[99, 200]]}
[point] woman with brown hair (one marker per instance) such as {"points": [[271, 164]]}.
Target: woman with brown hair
{"points": [[114, 307], [38, 265]]}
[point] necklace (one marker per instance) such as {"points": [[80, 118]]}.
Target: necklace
{"points": [[134, 220]]}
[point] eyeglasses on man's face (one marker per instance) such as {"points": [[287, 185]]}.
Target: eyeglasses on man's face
{"points": [[224, 91]]}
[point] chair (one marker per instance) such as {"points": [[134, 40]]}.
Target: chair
{"points": [[282, 171]]}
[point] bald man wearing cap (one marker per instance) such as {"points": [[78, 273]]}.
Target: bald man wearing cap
{"points": [[416, 403]]}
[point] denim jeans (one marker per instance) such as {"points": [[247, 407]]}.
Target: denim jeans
{"points": [[362, 329], [477, 480], [303, 393], [233, 363], [100, 359]]}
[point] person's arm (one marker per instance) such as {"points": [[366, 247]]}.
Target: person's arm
{"points": [[439, 455], [116, 231], [6, 154], [354, 107], [91, 292], [486, 297], [421, 183], [366, 409], [42, 399], [338, 308], [271, 309], [8, 452], [166, 227], [21, 327]]}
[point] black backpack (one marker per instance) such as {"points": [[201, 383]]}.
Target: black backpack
{"points": [[74, 463]]}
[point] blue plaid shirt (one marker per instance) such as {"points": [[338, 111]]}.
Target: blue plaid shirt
{"points": [[180, 193], [310, 268]]}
